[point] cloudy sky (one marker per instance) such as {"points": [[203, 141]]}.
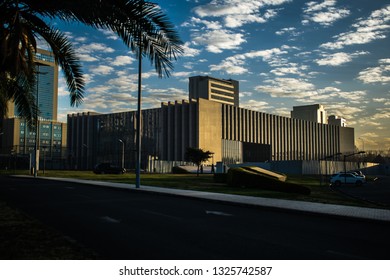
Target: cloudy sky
{"points": [[285, 53]]}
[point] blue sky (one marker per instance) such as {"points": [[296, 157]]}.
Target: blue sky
{"points": [[285, 53]]}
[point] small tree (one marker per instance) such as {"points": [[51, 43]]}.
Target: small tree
{"points": [[197, 156]]}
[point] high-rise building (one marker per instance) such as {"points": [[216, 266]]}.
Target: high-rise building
{"points": [[46, 91], [19, 139], [218, 90]]}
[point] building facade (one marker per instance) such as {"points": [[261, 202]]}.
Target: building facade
{"points": [[231, 133], [218, 90], [314, 113]]}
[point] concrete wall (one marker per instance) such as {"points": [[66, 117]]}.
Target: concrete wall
{"points": [[210, 128]]}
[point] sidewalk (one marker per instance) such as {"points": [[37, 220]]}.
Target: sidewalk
{"points": [[300, 206]]}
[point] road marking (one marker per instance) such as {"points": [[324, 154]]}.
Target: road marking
{"points": [[110, 220], [218, 213], [161, 215]]}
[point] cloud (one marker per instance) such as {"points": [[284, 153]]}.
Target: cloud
{"points": [[122, 60], [379, 74], [291, 31], [256, 105], [337, 59], [101, 70], [86, 58], [190, 52], [290, 69], [324, 13], [94, 47], [365, 31], [218, 40], [236, 13], [288, 87], [235, 64]]}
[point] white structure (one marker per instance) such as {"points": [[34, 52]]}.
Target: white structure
{"points": [[312, 113]]}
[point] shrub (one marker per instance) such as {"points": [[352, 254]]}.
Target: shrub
{"points": [[179, 170], [239, 177], [220, 177]]}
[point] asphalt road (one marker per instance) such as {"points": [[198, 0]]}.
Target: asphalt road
{"points": [[123, 224]]}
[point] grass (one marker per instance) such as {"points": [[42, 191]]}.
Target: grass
{"points": [[205, 182], [24, 238]]}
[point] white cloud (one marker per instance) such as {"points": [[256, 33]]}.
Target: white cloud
{"points": [[236, 64], [94, 47], [288, 87], [365, 31], [190, 52], [236, 13], [290, 69], [86, 57], [122, 60], [101, 70], [324, 13], [218, 40], [337, 59], [379, 74], [255, 105]]}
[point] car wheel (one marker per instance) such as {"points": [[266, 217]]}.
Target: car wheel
{"points": [[358, 183], [337, 183]]}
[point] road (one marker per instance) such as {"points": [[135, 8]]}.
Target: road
{"points": [[127, 224]]}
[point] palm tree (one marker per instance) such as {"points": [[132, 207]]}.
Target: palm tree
{"points": [[23, 21]]}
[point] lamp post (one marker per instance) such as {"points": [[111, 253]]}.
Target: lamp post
{"points": [[345, 164], [36, 146], [362, 142], [138, 124], [122, 154], [326, 165]]}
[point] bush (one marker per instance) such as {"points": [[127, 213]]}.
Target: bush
{"points": [[239, 177], [220, 177], [179, 170]]}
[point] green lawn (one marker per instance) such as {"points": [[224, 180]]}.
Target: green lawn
{"points": [[205, 182]]}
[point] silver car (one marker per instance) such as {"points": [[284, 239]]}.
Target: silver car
{"points": [[347, 178]]}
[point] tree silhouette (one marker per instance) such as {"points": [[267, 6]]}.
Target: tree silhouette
{"points": [[197, 156]]}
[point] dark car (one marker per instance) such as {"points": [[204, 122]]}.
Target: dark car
{"points": [[108, 168]]}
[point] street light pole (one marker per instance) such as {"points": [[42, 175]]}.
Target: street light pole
{"points": [[123, 153], [138, 124], [345, 164]]}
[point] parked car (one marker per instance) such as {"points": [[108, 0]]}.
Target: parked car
{"points": [[348, 178], [108, 168]]}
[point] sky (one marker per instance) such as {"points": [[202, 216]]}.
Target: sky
{"points": [[284, 53]]}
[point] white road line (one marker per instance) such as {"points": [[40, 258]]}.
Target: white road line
{"points": [[218, 213], [161, 215], [110, 220]]}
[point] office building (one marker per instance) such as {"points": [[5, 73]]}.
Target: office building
{"points": [[218, 90], [231, 133], [17, 137]]}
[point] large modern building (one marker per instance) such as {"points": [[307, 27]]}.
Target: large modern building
{"points": [[17, 138], [232, 133], [222, 91]]}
